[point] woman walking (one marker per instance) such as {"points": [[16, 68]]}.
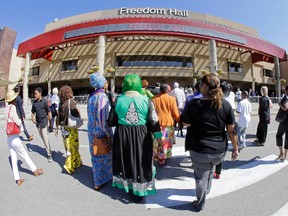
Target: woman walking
{"points": [[167, 111], [135, 119], [283, 127], [206, 119], [264, 116], [13, 139], [98, 112], [70, 135]]}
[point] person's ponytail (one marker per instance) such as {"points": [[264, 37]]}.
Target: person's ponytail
{"points": [[215, 93], [217, 102]]}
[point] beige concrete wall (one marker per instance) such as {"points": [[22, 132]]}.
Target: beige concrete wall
{"points": [[115, 13], [15, 69], [86, 55], [258, 72], [284, 70]]}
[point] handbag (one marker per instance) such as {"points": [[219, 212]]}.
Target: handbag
{"points": [[73, 122], [12, 128], [281, 116], [100, 146]]}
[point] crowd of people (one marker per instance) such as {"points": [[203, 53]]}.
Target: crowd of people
{"points": [[126, 135]]}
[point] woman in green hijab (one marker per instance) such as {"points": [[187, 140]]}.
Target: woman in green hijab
{"points": [[135, 119]]}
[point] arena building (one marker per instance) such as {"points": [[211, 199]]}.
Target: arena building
{"points": [[159, 44]]}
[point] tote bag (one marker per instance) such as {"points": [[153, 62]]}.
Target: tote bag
{"points": [[73, 122]]}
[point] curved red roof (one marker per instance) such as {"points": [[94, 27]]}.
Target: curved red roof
{"points": [[149, 26]]}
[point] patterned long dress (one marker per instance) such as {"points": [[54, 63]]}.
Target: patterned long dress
{"points": [[71, 144], [98, 112], [70, 137]]}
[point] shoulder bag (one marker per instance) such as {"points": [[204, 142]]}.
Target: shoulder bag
{"points": [[73, 122], [12, 128]]}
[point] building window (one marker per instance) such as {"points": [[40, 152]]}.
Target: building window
{"points": [[70, 65], [235, 67], [267, 73], [154, 61], [35, 71]]}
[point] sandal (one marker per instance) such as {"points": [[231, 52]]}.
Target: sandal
{"points": [[98, 188], [38, 172], [19, 182]]}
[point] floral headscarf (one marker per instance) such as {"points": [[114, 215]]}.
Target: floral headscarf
{"points": [[97, 80], [132, 82]]}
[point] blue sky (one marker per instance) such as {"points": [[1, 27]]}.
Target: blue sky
{"points": [[29, 17]]}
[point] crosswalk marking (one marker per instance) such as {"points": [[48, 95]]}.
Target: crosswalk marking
{"points": [[282, 212], [180, 191]]}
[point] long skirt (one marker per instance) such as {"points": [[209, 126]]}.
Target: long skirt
{"points": [[71, 144], [168, 138], [262, 131], [132, 160], [102, 169]]}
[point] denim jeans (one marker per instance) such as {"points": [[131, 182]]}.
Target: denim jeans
{"points": [[241, 131]]}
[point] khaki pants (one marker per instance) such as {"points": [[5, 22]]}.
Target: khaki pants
{"points": [[44, 135]]}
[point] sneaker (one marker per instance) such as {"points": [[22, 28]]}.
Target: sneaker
{"points": [[217, 176], [241, 146], [50, 159]]}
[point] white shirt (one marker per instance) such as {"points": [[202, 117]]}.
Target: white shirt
{"points": [[238, 95], [244, 109], [180, 97], [231, 100]]}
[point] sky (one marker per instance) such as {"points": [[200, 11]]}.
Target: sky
{"points": [[29, 17]]}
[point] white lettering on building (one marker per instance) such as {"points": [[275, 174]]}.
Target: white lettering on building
{"points": [[157, 11]]}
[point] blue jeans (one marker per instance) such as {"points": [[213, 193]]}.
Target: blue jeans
{"points": [[241, 131]]}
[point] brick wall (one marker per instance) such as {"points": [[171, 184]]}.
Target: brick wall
{"points": [[7, 40]]}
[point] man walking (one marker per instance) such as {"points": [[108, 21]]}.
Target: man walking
{"points": [[244, 109], [21, 113], [40, 116], [179, 95]]}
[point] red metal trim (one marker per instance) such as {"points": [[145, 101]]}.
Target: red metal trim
{"points": [[56, 37]]}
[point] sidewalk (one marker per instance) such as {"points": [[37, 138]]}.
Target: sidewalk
{"points": [[83, 110]]}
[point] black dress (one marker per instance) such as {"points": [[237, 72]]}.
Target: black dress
{"points": [[264, 119], [132, 160]]}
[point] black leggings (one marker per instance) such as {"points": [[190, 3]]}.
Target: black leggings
{"points": [[282, 129]]}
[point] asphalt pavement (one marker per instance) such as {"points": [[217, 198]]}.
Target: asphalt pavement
{"points": [[253, 185]]}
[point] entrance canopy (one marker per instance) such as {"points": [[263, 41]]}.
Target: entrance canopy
{"points": [[42, 46]]}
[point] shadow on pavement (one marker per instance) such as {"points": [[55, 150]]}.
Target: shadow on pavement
{"points": [[247, 164], [20, 168], [174, 166], [35, 148]]}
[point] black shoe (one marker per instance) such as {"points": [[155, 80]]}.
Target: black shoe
{"points": [[135, 198]]}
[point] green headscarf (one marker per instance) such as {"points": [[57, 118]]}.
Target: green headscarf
{"points": [[132, 82]]}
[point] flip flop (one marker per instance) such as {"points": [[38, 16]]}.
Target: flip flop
{"points": [[38, 172]]}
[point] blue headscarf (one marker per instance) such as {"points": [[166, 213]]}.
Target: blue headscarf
{"points": [[97, 80]]}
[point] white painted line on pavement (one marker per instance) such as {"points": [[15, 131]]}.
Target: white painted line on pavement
{"points": [[282, 211], [272, 131], [83, 146], [181, 190]]}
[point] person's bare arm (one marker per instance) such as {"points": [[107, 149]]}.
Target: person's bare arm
{"points": [[234, 139], [33, 118], [49, 116]]}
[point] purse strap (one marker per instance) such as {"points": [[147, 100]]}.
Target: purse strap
{"points": [[9, 113]]}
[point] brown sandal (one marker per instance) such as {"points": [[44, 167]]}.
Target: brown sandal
{"points": [[38, 172], [20, 181]]}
